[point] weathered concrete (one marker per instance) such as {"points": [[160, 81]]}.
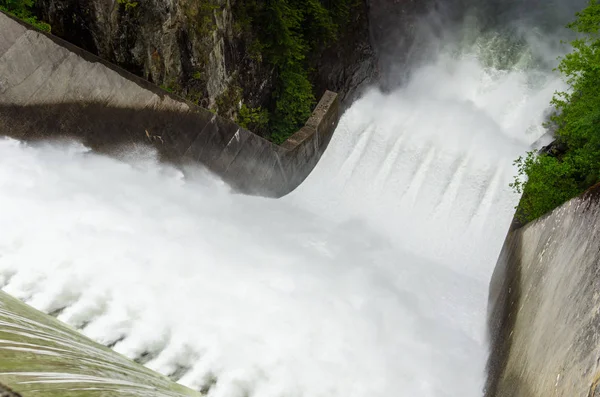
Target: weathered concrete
{"points": [[50, 88], [40, 356], [545, 305], [7, 392]]}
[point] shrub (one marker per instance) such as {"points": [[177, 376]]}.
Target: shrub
{"points": [[22, 10], [295, 101], [285, 33], [253, 119], [552, 179]]}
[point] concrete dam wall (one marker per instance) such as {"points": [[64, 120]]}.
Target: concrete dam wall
{"points": [[40, 356], [545, 306], [52, 89]]}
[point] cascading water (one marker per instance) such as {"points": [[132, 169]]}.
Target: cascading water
{"points": [[369, 280]]}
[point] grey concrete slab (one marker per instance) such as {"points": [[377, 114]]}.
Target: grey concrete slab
{"points": [[545, 305]]}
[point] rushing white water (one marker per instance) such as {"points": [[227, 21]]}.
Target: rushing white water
{"points": [[368, 280]]}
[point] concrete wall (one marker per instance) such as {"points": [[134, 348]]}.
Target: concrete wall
{"points": [[39, 356], [545, 306], [50, 89]]}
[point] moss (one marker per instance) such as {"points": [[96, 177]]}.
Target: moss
{"points": [[172, 87], [256, 50], [226, 104], [128, 4], [197, 75], [196, 42], [253, 119], [200, 16]]}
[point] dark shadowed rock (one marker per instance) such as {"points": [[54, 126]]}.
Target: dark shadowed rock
{"points": [[393, 25], [555, 149]]}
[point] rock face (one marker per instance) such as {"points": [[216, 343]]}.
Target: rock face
{"points": [[200, 49], [350, 65], [196, 48], [393, 25], [544, 317], [186, 46]]}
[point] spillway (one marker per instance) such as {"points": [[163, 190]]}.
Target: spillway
{"points": [[370, 279], [42, 355]]}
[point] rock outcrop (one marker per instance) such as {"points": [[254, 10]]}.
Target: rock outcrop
{"points": [[393, 27], [198, 49]]}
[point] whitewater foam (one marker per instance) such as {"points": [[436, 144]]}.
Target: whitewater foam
{"points": [[369, 280]]}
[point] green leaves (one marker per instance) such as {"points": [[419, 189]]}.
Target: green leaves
{"points": [[282, 37], [587, 19], [548, 180], [253, 119], [550, 183], [286, 33], [129, 5], [295, 101], [17, 7], [22, 10]]}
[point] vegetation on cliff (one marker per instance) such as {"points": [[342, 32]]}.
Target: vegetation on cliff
{"points": [[284, 34], [572, 165], [22, 10], [261, 63]]}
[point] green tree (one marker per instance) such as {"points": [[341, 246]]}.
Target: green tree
{"points": [[285, 33], [553, 178]]}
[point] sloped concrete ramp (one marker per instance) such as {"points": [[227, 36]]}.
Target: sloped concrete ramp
{"points": [[52, 89]]}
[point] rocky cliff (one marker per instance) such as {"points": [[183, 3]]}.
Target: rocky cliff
{"points": [[213, 52], [208, 50]]}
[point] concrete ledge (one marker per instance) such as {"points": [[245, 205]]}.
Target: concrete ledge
{"points": [[544, 306], [40, 356], [52, 89], [7, 392]]}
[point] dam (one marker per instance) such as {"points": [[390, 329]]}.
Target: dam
{"points": [[368, 275]]}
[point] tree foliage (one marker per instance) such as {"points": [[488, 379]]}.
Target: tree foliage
{"points": [[22, 10], [553, 179], [285, 33], [254, 119]]}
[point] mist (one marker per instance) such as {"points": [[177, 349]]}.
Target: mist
{"points": [[407, 35]]}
